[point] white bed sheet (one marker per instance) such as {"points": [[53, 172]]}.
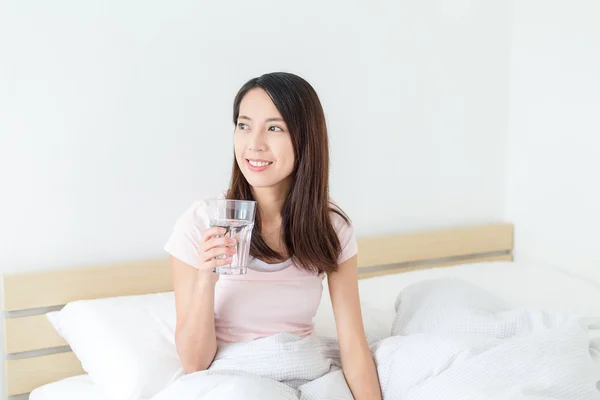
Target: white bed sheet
{"points": [[78, 387], [522, 285]]}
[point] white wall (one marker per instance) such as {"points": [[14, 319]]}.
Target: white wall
{"points": [[553, 193], [115, 116]]}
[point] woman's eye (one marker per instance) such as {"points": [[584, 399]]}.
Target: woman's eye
{"points": [[242, 126], [275, 129]]}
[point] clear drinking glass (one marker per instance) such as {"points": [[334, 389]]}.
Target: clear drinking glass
{"points": [[237, 217]]}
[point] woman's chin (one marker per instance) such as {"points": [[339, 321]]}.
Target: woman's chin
{"points": [[258, 183], [262, 180]]}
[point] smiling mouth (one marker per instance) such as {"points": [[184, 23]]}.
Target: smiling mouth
{"points": [[259, 163]]}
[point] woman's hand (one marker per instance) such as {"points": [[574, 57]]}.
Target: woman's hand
{"points": [[214, 251]]}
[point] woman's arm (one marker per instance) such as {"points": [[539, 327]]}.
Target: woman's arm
{"points": [[357, 360], [195, 337]]}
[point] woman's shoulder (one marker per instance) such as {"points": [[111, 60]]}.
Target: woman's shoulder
{"points": [[345, 231], [197, 212], [187, 232], [339, 218], [341, 221]]}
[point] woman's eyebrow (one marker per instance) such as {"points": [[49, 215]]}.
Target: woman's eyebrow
{"points": [[267, 120]]}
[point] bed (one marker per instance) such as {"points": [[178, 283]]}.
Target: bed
{"points": [[39, 360]]}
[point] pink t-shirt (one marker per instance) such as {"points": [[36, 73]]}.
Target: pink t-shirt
{"points": [[270, 298]]}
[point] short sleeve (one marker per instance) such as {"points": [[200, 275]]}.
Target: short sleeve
{"points": [[345, 232], [187, 234]]}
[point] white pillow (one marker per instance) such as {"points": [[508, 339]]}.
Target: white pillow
{"points": [[126, 344], [520, 284]]}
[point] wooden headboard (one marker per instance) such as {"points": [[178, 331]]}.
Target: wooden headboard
{"points": [[26, 328]]}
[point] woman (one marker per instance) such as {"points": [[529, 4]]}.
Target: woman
{"points": [[281, 162]]}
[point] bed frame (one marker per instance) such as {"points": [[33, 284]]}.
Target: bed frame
{"points": [[36, 355]]}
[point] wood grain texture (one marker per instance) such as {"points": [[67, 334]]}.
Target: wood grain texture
{"points": [[399, 270], [51, 288], [30, 333], [424, 246], [22, 376]]}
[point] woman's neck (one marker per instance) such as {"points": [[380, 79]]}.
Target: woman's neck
{"points": [[270, 201]]}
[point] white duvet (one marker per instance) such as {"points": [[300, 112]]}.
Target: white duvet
{"points": [[450, 340]]}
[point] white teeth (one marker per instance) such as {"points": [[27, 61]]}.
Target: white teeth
{"points": [[259, 163]]}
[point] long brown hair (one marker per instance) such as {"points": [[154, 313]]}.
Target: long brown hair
{"points": [[307, 230]]}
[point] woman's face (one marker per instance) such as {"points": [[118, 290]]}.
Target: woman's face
{"points": [[263, 146]]}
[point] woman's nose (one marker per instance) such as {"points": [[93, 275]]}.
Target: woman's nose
{"points": [[257, 141]]}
